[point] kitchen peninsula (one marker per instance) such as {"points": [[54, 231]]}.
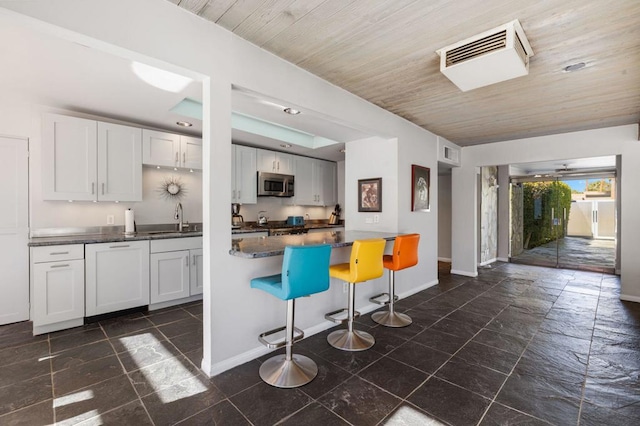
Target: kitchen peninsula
{"points": [[274, 246]]}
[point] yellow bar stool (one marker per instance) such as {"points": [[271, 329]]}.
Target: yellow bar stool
{"points": [[405, 255], [305, 271], [365, 264]]}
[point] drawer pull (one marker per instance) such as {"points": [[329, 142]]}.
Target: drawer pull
{"points": [[124, 246], [54, 253], [186, 261], [66, 265]]}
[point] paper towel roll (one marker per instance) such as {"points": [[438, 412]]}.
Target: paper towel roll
{"points": [[129, 225]]}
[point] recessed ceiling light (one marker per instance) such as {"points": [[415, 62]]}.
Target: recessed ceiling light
{"points": [[184, 123], [292, 111], [285, 145], [574, 67]]}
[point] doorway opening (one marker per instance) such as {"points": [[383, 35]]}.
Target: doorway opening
{"points": [[566, 218]]}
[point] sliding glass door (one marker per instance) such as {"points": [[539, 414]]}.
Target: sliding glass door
{"points": [[564, 222]]}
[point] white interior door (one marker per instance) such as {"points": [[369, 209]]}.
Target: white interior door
{"points": [[14, 231]]}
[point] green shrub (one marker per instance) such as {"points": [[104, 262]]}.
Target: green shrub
{"points": [[539, 199]]}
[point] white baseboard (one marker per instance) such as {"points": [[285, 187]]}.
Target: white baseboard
{"points": [[486, 262], [630, 298], [503, 259], [229, 363], [162, 305], [464, 273], [444, 259]]}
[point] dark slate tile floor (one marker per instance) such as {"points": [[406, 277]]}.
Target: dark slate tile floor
{"points": [[516, 345]]}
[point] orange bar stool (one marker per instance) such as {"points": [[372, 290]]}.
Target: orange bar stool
{"points": [[405, 255], [365, 264], [305, 271]]}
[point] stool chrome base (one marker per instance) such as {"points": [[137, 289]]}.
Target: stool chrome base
{"points": [[282, 373], [391, 319], [355, 340]]}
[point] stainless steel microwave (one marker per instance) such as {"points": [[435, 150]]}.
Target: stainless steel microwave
{"points": [[275, 185]]}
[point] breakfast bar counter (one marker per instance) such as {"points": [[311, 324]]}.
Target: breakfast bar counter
{"points": [[274, 246]]}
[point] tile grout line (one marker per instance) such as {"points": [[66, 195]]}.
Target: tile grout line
{"points": [[53, 399], [124, 370], [586, 373]]}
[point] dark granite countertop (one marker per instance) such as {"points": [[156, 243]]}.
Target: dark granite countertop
{"points": [[274, 246], [257, 228], [112, 234]]}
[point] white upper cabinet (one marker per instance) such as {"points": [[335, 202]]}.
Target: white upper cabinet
{"points": [[315, 182], [243, 175], [119, 163], [87, 160], [69, 150], [328, 194], [275, 162], [305, 193], [160, 148], [191, 152], [170, 150]]}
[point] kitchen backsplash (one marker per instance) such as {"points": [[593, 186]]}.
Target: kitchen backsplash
{"points": [[153, 208], [156, 209]]}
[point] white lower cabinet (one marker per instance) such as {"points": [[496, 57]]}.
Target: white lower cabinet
{"points": [[57, 282], [176, 269], [196, 280], [117, 276]]}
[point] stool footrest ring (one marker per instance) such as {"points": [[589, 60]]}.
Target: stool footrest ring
{"points": [[297, 335], [331, 316], [384, 302]]}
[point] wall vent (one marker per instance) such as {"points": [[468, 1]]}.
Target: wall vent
{"points": [[451, 154], [493, 56]]}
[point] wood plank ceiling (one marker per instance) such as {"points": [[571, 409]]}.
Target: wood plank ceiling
{"points": [[384, 51]]}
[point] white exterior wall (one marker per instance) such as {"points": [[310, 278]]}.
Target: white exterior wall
{"points": [[620, 140], [161, 34]]}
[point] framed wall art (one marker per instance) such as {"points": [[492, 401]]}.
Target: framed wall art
{"points": [[420, 181], [370, 195]]}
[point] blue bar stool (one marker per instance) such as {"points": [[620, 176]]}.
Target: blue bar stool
{"points": [[305, 271]]}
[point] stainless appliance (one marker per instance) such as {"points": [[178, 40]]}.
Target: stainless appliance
{"points": [[262, 219], [287, 231], [236, 219], [275, 185]]}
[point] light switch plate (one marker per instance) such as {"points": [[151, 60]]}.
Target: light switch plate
{"points": [[110, 219]]}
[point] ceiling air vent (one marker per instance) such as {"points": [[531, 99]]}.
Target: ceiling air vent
{"points": [[496, 55]]}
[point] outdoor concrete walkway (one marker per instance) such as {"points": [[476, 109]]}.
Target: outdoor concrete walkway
{"points": [[574, 253]]}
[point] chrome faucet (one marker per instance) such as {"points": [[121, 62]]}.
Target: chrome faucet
{"points": [[178, 216]]}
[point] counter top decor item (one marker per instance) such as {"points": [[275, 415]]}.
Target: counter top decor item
{"points": [[420, 182], [370, 195]]}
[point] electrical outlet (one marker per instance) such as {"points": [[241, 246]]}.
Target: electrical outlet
{"points": [[368, 220], [345, 287], [376, 218], [110, 219]]}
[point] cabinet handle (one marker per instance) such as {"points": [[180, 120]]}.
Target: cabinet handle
{"points": [[233, 197], [58, 253], [273, 167], [124, 246], [177, 157], [66, 265], [93, 188], [239, 194], [102, 188], [278, 166], [194, 261], [184, 158], [186, 261]]}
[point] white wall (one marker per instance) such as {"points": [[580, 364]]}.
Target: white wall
{"points": [[444, 217], [161, 34], [620, 140]]}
